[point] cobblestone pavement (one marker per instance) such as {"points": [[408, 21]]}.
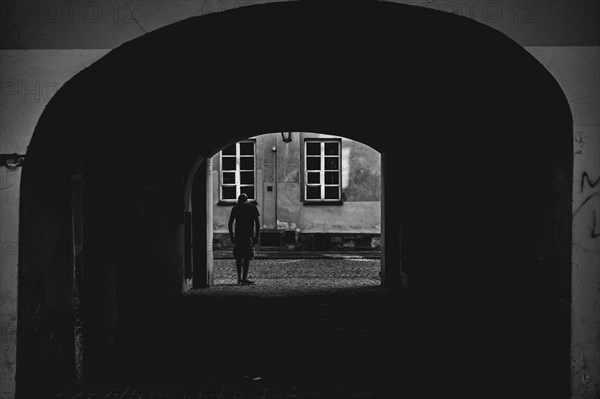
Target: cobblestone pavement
{"points": [[320, 328], [224, 269], [292, 277]]}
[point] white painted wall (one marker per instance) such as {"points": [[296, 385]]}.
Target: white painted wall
{"points": [[577, 70]]}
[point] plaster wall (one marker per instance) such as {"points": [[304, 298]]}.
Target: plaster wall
{"points": [[282, 206], [577, 69]]}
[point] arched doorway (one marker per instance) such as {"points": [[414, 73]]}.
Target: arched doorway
{"points": [[476, 149]]}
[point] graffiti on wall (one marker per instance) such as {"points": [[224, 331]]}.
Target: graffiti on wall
{"points": [[590, 189], [589, 192]]}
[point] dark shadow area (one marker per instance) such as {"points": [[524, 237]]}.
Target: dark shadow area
{"points": [[477, 143], [373, 341]]}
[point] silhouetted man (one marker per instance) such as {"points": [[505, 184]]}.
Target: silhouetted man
{"points": [[246, 218]]}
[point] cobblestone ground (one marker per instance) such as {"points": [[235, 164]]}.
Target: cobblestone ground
{"points": [[320, 328], [293, 277]]}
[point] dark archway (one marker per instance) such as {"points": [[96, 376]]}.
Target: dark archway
{"points": [[475, 136]]}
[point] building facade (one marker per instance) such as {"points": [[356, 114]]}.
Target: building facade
{"points": [[317, 192]]}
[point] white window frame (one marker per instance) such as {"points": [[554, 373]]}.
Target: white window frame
{"points": [[238, 184], [322, 171]]}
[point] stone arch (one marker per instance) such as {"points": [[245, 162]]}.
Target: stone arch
{"points": [[475, 136]]}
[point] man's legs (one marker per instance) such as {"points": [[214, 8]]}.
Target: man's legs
{"points": [[238, 266], [245, 253], [246, 265]]}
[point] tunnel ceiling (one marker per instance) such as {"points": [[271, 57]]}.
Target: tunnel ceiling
{"points": [[388, 75]]}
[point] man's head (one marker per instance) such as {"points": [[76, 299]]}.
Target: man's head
{"points": [[242, 198]]}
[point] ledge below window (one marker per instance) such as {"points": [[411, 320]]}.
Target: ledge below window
{"points": [[321, 203]]}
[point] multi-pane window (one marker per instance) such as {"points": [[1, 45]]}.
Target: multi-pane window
{"points": [[238, 170], [322, 170]]}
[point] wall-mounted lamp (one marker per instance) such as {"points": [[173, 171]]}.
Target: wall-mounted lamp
{"points": [[286, 137], [14, 161]]}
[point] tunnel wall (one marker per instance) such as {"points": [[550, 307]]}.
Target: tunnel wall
{"points": [[47, 279]]}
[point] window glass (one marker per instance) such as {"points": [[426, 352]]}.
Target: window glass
{"points": [[313, 192], [313, 148], [332, 192], [332, 178], [332, 163], [246, 148], [228, 177], [313, 177], [247, 177], [313, 163], [228, 163], [246, 163], [228, 192], [331, 149]]}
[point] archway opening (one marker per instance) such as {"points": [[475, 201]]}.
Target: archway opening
{"points": [[318, 196]]}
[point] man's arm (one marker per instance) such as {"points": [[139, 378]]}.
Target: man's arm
{"points": [[257, 224], [230, 225]]}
